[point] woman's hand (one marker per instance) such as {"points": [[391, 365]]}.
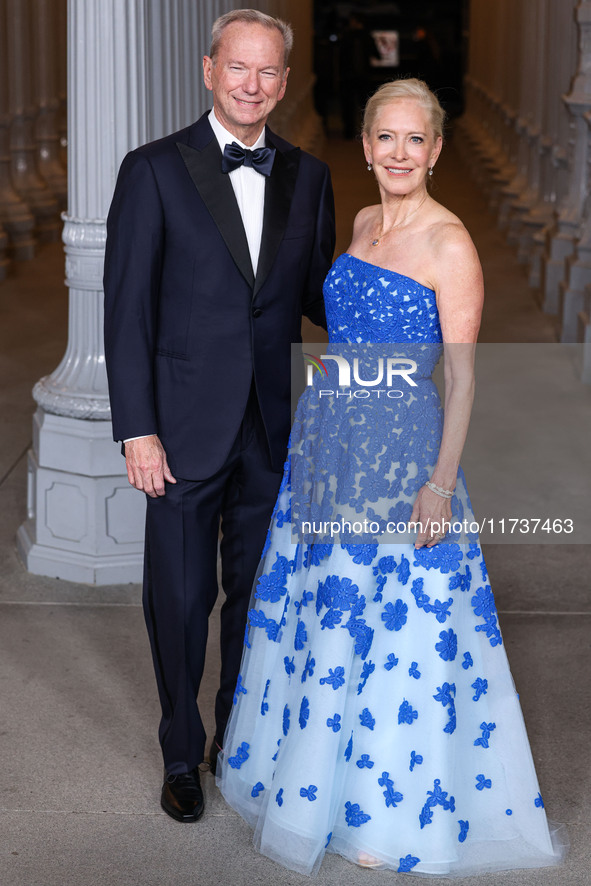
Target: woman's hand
{"points": [[433, 514]]}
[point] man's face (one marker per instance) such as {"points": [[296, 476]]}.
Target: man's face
{"points": [[247, 78]]}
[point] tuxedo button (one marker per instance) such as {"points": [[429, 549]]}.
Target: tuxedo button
{"points": [[256, 312]]}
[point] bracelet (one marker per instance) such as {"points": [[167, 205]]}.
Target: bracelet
{"points": [[444, 493]]}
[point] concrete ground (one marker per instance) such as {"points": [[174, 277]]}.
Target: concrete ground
{"points": [[80, 764]]}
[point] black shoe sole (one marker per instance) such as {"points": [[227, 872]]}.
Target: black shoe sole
{"points": [[178, 816]]}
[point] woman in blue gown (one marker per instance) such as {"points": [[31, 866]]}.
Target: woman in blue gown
{"points": [[375, 715]]}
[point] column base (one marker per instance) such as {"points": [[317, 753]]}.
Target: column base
{"points": [[85, 522], [70, 566], [572, 304]]}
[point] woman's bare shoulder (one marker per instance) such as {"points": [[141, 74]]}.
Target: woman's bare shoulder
{"points": [[366, 217], [450, 239]]}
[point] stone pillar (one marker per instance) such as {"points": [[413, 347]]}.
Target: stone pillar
{"points": [[46, 48], [61, 38], [15, 217], [575, 218], [558, 68], [27, 181]]}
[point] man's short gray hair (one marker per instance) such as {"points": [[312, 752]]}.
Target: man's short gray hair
{"points": [[251, 17]]}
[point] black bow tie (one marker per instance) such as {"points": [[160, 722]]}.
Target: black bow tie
{"points": [[260, 159]]}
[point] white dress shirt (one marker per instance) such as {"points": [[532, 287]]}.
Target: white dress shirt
{"points": [[249, 188]]}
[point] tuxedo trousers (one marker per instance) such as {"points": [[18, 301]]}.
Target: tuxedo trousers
{"points": [[181, 583]]}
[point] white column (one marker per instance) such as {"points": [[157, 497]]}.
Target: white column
{"points": [[15, 216], [561, 32], [26, 178], [575, 218], [61, 38], [46, 47], [85, 523]]}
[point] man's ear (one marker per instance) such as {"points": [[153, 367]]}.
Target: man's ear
{"points": [[283, 85], [207, 66]]}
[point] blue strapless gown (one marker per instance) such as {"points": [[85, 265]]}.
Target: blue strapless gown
{"points": [[375, 711]]}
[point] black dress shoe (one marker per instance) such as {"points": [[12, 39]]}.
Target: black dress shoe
{"points": [[215, 749], [182, 796]]}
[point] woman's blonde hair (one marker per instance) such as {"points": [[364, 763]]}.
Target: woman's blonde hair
{"points": [[405, 88]]}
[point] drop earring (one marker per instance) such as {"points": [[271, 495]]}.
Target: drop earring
{"points": [[369, 167], [430, 170]]}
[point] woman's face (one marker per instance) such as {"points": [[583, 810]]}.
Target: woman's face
{"points": [[401, 147]]}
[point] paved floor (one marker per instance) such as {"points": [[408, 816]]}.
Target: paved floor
{"points": [[80, 767]]}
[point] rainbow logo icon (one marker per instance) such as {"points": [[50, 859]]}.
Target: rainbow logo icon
{"points": [[316, 362]]}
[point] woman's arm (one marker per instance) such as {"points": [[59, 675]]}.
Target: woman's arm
{"points": [[460, 292]]}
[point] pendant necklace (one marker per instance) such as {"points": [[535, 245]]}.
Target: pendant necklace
{"points": [[377, 240]]}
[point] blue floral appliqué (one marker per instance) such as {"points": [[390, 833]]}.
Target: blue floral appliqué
{"points": [[349, 748], [257, 789], [436, 797], [272, 586], [279, 797], [265, 703], [308, 667], [482, 782], [240, 757], [365, 762], [446, 695], [406, 713], [334, 723], [415, 760], [413, 670], [240, 690], [366, 672], [408, 863], [391, 796], [362, 554], [285, 720], [316, 553], [301, 635], [309, 793], [423, 601], [479, 686], [394, 615], [304, 713], [487, 729], [461, 582], [307, 597], [366, 719], [538, 801], [468, 662], [483, 604], [403, 570], [448, 645], [354, 815], [336, 678], [391, 662], [289, 665], [446, 558], [258, 619], [464, 828]]}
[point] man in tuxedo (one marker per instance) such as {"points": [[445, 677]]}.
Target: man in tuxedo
{"points": [[219, 238]]}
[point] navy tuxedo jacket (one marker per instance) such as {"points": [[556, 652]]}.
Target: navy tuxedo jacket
{"points": [[187, 323]]}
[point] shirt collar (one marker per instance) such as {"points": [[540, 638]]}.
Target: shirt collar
{"points": [[226, 138]]}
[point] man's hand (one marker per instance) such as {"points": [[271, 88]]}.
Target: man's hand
{"points": [[147, 468]]}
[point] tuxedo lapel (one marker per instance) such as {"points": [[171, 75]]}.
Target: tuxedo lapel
{"points": [[279, 191], [204, 165]]}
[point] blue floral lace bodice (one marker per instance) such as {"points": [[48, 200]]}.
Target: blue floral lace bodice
{"points": [[367, 447]]}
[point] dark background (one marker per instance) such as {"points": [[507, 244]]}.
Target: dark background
{"points": [[432, 46]]}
